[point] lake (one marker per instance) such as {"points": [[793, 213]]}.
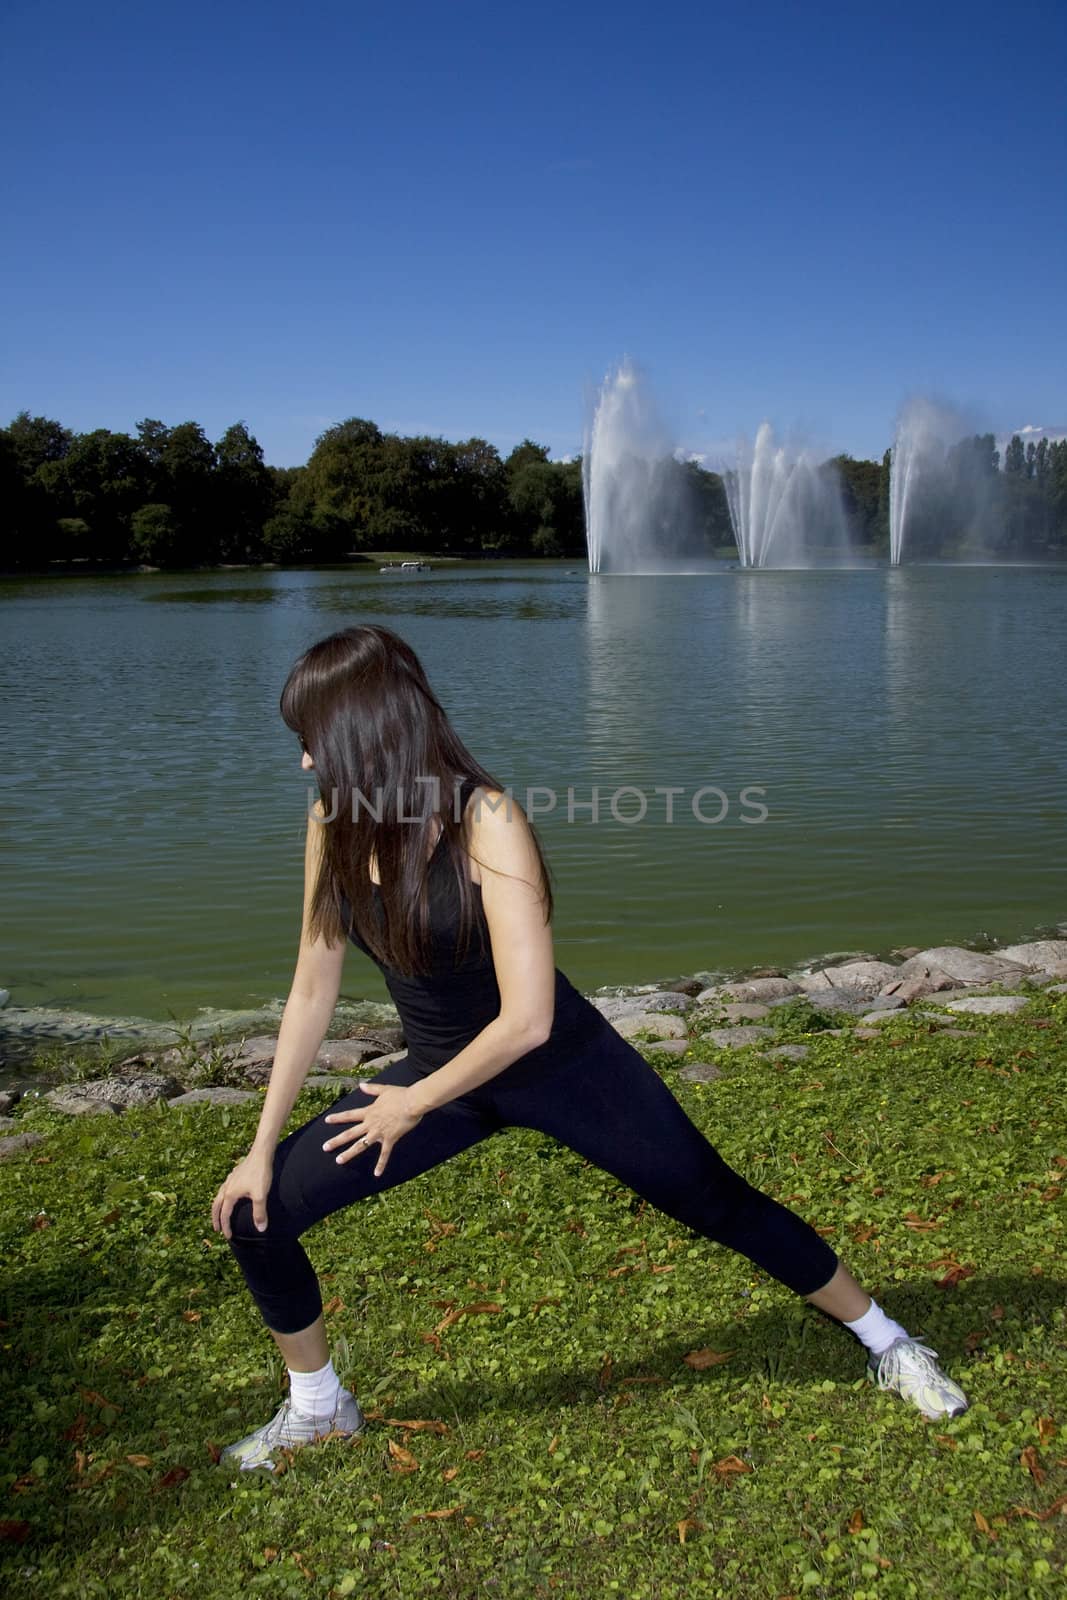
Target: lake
{"points": [[889, 743]]}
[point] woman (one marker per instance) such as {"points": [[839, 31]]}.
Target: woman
{"points": [[454, 906]]}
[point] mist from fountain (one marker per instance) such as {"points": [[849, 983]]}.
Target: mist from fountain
{"points": [[782, 504], [919, 472], [635, 500]]}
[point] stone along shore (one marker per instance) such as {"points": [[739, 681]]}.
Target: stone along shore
{"points": [[687, 1016]]}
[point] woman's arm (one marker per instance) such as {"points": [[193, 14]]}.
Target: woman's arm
{"points": [[523, 956], [309, 1008]]}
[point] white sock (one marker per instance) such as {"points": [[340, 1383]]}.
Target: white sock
{"points": [[875, 1329], [315, 1394]]}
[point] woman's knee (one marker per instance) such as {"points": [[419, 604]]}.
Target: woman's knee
{"points": [[243, 1230]]}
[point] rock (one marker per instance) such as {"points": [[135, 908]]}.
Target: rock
{"points": [[9, 1098], [220, 1095], [7, 1123], [700, 1072], [661, 1023], [743, 1011], [792, 1052], [735, 1038], [990, 1004], [612, 1007], [670, 1047], [874, 1018], [965, 966], [324, 1080], [77, 1104], [386, 1038], [120, 1093], [864, 979], [921, 979], [749, 989], [1057, 988], [376, 1063], [19, 1141], [346, 1055], [5, 996], [690, 986], [1038, 953], [865, 1033]]}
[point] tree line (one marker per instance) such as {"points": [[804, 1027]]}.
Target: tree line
{"points": [[169, 497]]}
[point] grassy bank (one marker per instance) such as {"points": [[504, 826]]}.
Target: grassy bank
{"points": [[620, 1408]]}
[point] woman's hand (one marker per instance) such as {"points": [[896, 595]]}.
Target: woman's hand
{"points": [[388, 1117], [251, 1177]]}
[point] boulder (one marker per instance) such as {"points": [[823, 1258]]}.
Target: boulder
{"points": [[9, 1098], [743, 1010], [670, 1047], [863, 978], [1041, 953], [220, 1095], [690, 986], [700, 1072], [964, 966], [612, 1007], [989, 1005], [78, 1104], [919, 981], [19, 1141], [792, 1052], [119, 1093], [749, 989], [735, 1038], [660, 1023]]}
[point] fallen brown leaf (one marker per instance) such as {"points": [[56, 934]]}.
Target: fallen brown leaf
{"points": [[1028, 1459], [97, 1399], [688, 1525], [855, 1521], [173, 1477], [1046, 1429], [479, 1308], [334, 1304], [401, 1460], [700, 1359], [416, 1425], [423, 1516], [730, 1464], [139, 1461], [192, 1316]]}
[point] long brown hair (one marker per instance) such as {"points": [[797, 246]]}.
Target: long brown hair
{"points": [[361, 704]]}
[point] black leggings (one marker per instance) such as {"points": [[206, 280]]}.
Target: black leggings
{"points": [[603, 1100]]}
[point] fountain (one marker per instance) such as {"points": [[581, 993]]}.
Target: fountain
{"points": [[649, 509], [634, 499], [942, 482], [781, 503]]}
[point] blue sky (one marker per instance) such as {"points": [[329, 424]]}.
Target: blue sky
{"points": [[455, 219]]}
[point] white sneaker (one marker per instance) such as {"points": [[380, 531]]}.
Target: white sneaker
{"points": [[909, 1368], [288, 1429]]}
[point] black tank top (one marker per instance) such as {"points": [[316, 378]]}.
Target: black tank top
{"points": [[443, 1010]]}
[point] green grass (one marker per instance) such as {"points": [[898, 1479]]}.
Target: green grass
{"points": [[573, 1444]]}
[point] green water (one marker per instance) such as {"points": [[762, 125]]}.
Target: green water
{"points": [[905, 727]]}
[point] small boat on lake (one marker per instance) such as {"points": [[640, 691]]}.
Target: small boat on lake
{"points": [[406, 566]]}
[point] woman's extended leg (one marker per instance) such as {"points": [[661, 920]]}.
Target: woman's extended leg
{"points": [[612, 1107]]}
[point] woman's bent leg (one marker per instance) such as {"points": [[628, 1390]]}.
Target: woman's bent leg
{"points": [[308, 1184], [612, 1107]]}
